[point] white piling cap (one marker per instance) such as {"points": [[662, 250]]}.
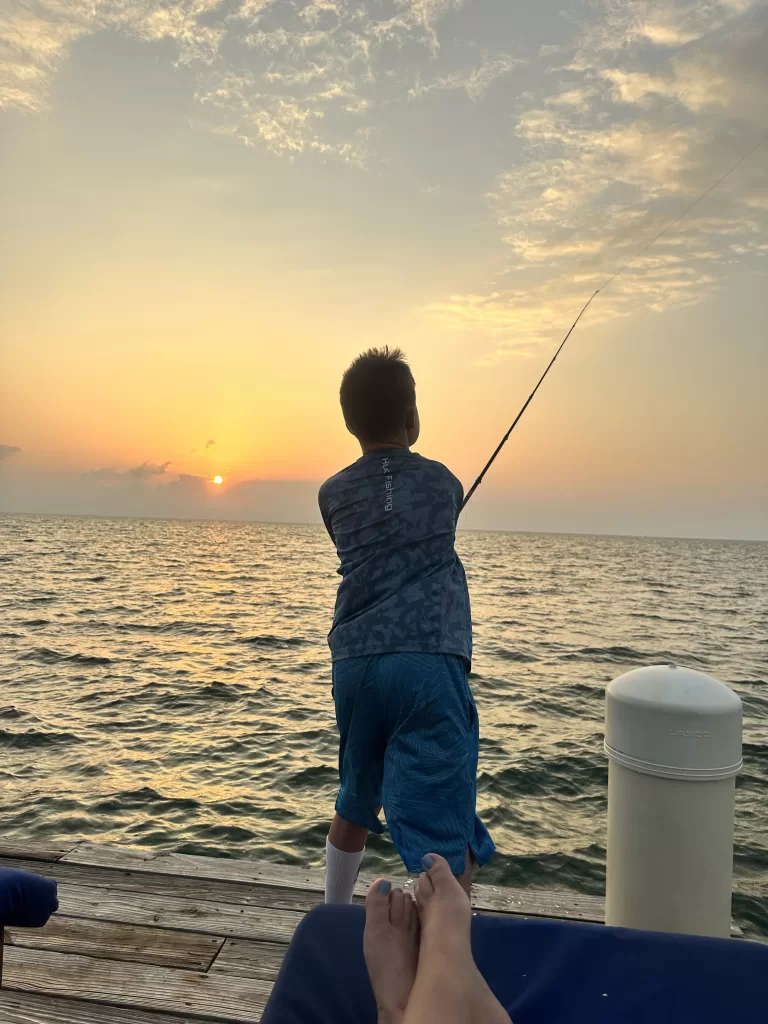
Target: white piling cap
{"points": [[673, 722]]}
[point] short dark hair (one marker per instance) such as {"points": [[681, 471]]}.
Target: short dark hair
{"points": [[376, 392]]}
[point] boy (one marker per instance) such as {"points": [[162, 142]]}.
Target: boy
{"points": [[401, 640]]}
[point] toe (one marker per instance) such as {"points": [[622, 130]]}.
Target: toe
{"points": [[377, 901], [397, 907], [436, 876], [425, 890], [410, 916], [437, 870]]}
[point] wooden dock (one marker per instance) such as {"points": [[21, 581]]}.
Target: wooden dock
{"points": [[144, 937]]}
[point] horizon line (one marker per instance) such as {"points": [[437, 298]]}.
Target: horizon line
{"points": [[316, 525]]}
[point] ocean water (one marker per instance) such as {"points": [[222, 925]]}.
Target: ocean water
{"points": [[167, 684]]}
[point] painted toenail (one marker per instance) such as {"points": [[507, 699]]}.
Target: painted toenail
{"points": [[428, 862], [398, 890], [384, 888]]}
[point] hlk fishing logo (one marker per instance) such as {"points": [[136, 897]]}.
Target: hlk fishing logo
{"points": [[387, 485]]}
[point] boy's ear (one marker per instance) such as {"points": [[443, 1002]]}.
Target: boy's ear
{"points": [[410, 418]]}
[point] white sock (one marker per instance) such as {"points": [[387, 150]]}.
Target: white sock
{"points": [[340, 873]]}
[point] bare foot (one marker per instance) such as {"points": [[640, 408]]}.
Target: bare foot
{"points": [[391, 947], [449, 989]]}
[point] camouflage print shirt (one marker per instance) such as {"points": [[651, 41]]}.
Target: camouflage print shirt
{"points": [[392, 516]]}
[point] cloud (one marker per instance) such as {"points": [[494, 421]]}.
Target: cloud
{"points": [[36, 39], [209, 444], [7, 451], [137, 474], [185, 496], [147, 470], [660, 24], [295, 77], [728, 74], [517, 321], [185, 486], [619, 130], [577, 98], [617, 148], [279, 122], [475, 81]]}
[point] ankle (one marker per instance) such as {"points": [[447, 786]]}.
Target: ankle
{"points": [[390, 1016], [341, 870], [441, 942]]}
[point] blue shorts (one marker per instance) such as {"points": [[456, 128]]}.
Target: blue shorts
{"points": [[409, 739]]}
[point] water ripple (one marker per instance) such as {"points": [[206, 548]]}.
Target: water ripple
{"points": [[168, 684]]}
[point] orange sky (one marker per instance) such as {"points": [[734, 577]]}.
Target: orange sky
{"points": [[171, 275]]}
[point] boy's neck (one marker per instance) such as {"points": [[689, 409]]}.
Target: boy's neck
{"points": [[383, 446]]}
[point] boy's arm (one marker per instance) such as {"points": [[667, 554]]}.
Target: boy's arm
{"points": [[458, 494], [322, 500]]}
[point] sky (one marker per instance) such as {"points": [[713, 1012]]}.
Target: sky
{"points": [[209, 207]]}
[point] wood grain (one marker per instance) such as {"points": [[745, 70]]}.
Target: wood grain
{"points": [[250, 959], [528, 902], [143, 934], [225, 869], [224, 919], [29, 1008], [219, 997], [173, 886], [31, 851], [113, 941]]}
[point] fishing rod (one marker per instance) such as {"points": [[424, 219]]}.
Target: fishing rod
{"points": [[528, 401], [584, 308]]}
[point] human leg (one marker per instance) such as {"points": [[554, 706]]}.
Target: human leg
{"points": [[344, 851], [448, 988], [347, 837], [391, 947], [465, 878], [361, 753], [430, 764]]}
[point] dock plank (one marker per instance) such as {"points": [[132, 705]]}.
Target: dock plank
{"points": [[171, 885], [489, 898], [219, 997], [289, 887], [33, 851], [29, 1008], [112, 941], [563, 905], [224, 869], [250, 959], [222, 919]]}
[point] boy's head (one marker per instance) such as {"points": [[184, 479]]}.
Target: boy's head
{"points": [[378, 399]]}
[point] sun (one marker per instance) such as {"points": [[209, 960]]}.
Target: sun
{"points": [[218, 479]]}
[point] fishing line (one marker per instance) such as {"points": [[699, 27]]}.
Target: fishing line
{"points": [[528, 401], [602, 287]]}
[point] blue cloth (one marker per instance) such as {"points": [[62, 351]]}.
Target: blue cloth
{"points": [[409, 737], [542, 972], [392, 516], [26, 900]]}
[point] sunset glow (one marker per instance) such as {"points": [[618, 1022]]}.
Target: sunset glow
{"points": [[209, 209]]}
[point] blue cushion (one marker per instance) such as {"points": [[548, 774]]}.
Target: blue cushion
{"points": [[26, 900], [543, 972]]}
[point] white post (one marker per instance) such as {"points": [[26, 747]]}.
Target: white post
{"points": [[673, 738]]}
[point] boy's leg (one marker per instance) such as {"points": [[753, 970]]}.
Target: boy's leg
{"points": [[346, 837], [431, 766], [361, 753], [344, 851], [465, 878]]}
